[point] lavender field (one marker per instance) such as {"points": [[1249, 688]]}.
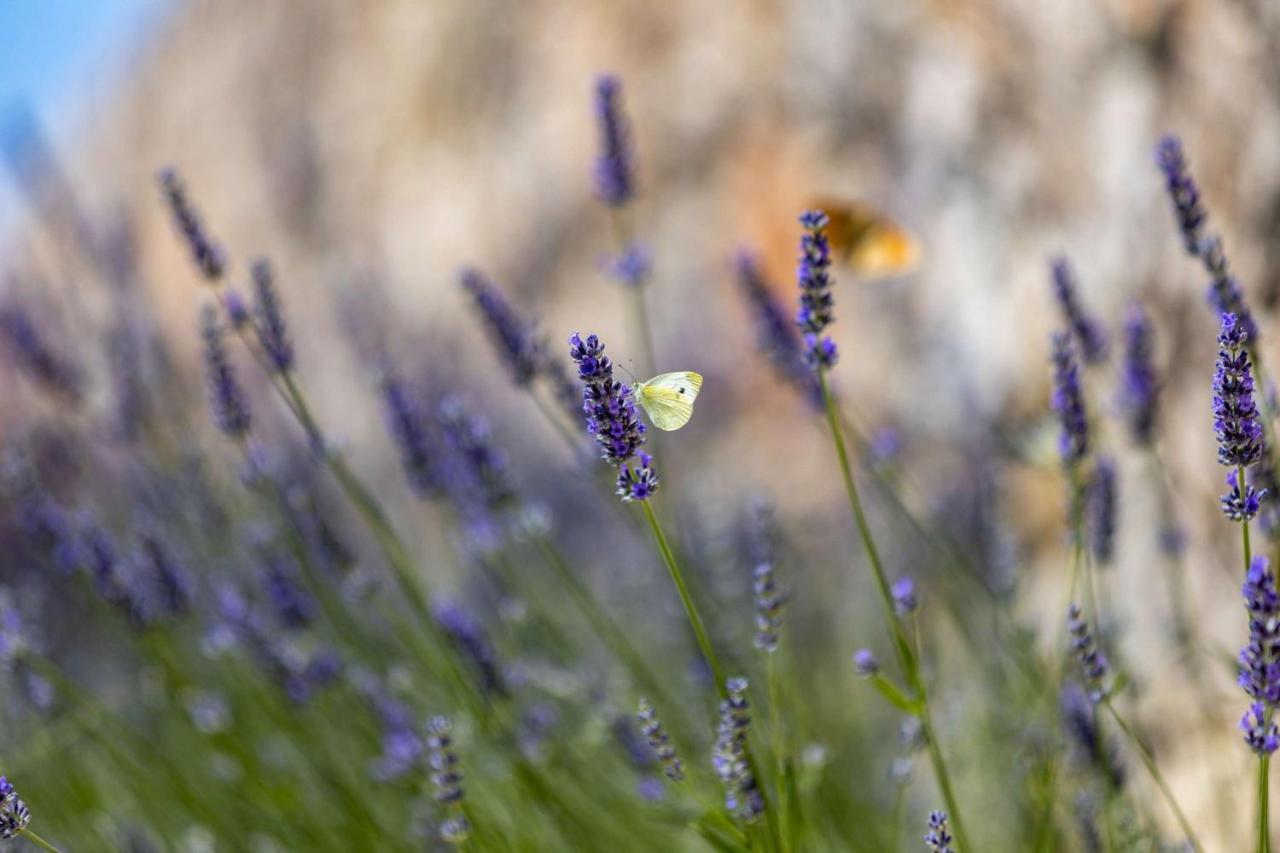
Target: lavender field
{"points": [[702, 426]]}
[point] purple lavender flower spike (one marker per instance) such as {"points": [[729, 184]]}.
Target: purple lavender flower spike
{"points": [[1184, 195], [615, 167], [865, 663], [814, 276], [468, 435], [1092, 340], [939, 835], [1068, 402], [611, 416], [743, 796], [512, 335], [1262, 736], [271, 328], [1093, 664], [1103, 507], [1235, 416], [661, 744], [905, 601], [467, 635], [1260, 658], [14, 814], [1139, 385], [1241, 503], [30, 351], [230, 410], [408, 427], [776, 334], [208, 255], [1225, 295]]}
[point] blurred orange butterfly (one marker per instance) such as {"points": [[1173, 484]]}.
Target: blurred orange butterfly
{"points": [[867, 241]]}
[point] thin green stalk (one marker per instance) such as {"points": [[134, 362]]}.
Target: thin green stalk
{"points": [[1156, 776], [38, 841], [781, 759], [1264, 806], [906, 658]]}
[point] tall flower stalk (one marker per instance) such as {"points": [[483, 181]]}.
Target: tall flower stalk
{"points": [[813, 317]]}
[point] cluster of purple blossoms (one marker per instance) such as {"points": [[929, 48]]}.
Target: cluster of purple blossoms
{"points": [[939, 835], [743, 796], [469, 436], [14, 815], [615, 167], [1068, 402], [656, 734], [469, 638], [1224, 291], [612, 418], [1093, 663], [300, 673], [408, 427], [270, 326], [403, 750], [1241, 501], [1139, 385], [814, 276], [226, 397], [1093, 342], [1103, 507], [512, 335], [1235, 415], [446, 777], [208, 255], [1260, 658]]}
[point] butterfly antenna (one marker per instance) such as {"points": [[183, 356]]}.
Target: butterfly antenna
{"points": [[627, 370]]}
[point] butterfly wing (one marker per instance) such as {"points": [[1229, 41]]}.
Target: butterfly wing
{"points": [[668, 398]]}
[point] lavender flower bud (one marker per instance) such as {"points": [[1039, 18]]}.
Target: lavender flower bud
{"points": [[237, 310], [1262, 736], [271, 328], [14, 815], [1241, 503], [207, 254], [230, 410], [637, 483], [446, 777], [615, 166], [632, 266], [776, 334], [1093, 343], [408, 428], [1068, 402], [904, 596], [939, 835], [1183, 192], [608, 404], [1139, 386], [865, 664], [1260, 659], [814, 276], [743, 796], [1102, 510], [1093, 663], [658, 740], [1235, 416], [511, 335]]}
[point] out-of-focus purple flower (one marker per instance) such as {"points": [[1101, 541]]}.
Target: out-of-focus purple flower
{"points": [[270, 326], [469, 436], [1093, 664], [293, 605], [446, 777], [299, 673], [1068, 402], [408, 427], [905, 601], [107, 574], [638, 482], [1080, 720], [939, 835], [776, 334], [1259, 675], [1103, 507], [1241, 501], [631, 266], [743, 796], [237, 309], [226, 397], [661, 744], [865, 663], [615, 166], [1235, 415], [403, 750], [1225, 295], [813, 273], [207, 254], [14, 814], [52, 529], [31, 353], [1139, 385], [511, 335], [170, 582], [608, 404], [1183, 192], [759, 533], [1089, 334], [469, 638]]}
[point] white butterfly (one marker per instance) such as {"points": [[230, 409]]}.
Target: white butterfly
{"points": [[668, 398]]}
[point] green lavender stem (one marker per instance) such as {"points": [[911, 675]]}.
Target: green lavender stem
{"points": [[906, 658], [38, 841], [1264, 797], [1156, 776]]}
